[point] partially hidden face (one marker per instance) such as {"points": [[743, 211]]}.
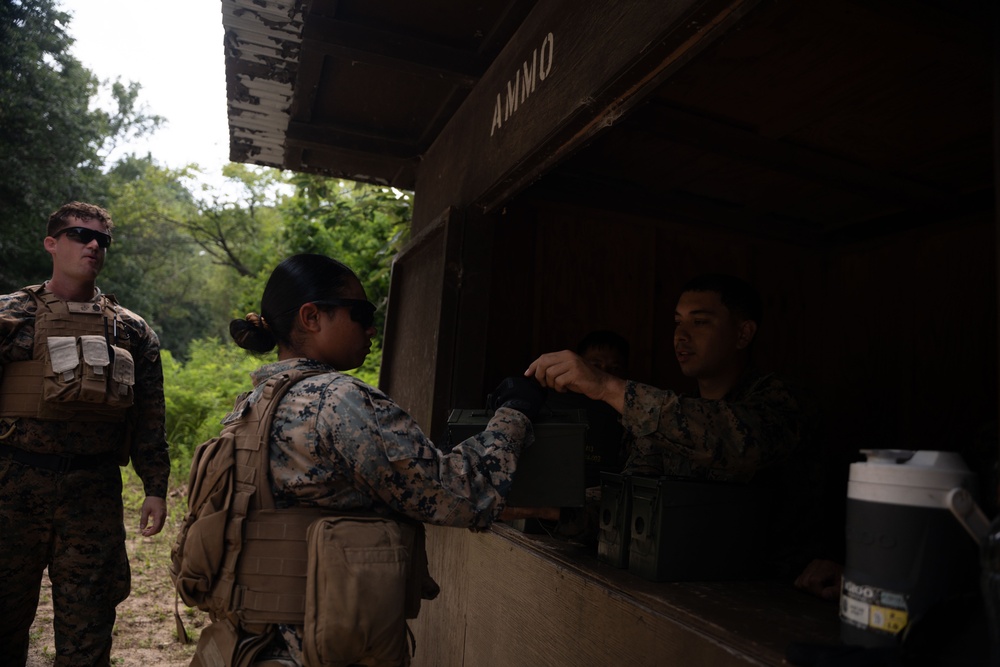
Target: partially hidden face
{"points": [[343, 341], [608, 359]]}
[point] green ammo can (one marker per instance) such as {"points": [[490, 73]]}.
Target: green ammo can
{"points": [[615, 520], [688, 530], [550, 473]]}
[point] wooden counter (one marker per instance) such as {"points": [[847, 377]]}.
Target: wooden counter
{"points": [[511, 599]]}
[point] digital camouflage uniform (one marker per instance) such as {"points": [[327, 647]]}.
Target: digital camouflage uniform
{"points": [[757, 424], [763, 432], [72, 522], [339, 443]]}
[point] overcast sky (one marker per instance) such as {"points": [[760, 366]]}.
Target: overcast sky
{"points": [[174, 50]]}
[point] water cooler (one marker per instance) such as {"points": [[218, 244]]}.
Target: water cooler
{"points": [[906, 551]]}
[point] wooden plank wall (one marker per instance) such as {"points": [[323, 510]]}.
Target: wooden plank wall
{"points": [[587, 270], [416, 361], [504, 604], [909, 341]]}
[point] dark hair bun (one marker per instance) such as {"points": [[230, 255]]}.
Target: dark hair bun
{"points": [[253, 338]]}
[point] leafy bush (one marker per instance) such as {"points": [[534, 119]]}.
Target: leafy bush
{"points": [[200, 393]]}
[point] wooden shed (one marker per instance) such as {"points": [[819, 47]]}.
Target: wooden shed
{"points": [[574, 162]]}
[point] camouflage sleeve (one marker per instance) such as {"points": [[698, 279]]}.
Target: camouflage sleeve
{"points": [[148, 450], [16, 327], [401, 467], [715, 439]]}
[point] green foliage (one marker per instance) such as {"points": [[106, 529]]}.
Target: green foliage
{"points": [[52, 137], [153, 267], [199, 393], [370, 369], [240, 233]]}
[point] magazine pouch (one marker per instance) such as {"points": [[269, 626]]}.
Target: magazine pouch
{"points": [[61, 383], [94, 373], [122, 380], [87, 370]]}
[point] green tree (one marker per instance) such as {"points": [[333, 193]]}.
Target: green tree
{"points": [[234, 231], [154, 266], [53, 137], [199, 393], [187, 265]]}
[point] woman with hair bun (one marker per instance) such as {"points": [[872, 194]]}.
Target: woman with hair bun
{"points": [[339, 444]]}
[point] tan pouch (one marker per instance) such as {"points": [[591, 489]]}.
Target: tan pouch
{"points": [[222, 645], [61, 382], [120, 388], [94, 376], [355, 593]]}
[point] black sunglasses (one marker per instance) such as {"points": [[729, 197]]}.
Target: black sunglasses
{"points": [[85, 235], [362, 311]]}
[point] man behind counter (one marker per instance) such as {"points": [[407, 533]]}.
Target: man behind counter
{"points": [[742, 424]]}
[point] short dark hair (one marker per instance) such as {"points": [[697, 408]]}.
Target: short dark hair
{"points": [[77, 209], [739, 296], [604, 338]]}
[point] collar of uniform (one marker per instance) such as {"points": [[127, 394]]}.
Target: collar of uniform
{"points": [[261, 375], [44, 288]]}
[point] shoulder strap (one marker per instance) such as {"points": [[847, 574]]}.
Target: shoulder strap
{"points": [[252, 446], [251, 489]]}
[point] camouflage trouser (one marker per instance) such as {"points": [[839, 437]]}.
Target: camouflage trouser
{"points": [[72, 524]]}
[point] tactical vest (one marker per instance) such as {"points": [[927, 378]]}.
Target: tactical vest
{"points": [[263, 568], [78, 370], [269, 573]]}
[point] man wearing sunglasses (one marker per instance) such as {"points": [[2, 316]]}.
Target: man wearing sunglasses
{"points": [[81, 392]]}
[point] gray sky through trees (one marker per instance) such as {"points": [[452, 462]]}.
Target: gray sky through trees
{"points": [[174, 51]]}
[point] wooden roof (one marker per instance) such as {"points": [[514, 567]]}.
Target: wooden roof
{"points": [[354, 89], [817, 120]]}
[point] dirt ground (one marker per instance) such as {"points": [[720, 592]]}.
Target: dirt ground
{"points": [[145, 633]]}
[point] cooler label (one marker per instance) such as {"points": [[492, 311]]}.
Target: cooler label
{"points": [[872, 608]]}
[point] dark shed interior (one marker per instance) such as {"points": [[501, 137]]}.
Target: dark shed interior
{"points": [[574, 162], [837, 155], [840, 154]]}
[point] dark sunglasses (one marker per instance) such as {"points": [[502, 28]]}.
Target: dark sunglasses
{"points": [[362, 311], [85, 235]]}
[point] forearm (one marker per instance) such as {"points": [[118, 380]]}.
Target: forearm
{"points": [[466, 486], [148, 447], [613, 392]]}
